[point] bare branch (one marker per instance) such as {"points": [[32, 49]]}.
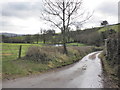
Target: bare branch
{"points": [[57, 25], [66, 11], [50, 10]]}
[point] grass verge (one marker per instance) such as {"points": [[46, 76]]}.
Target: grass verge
{"points": [[42, 59], [110, 72]]}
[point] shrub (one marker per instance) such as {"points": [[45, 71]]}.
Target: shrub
{"points": [[37, 54]]}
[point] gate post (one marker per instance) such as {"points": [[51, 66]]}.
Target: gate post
{"points": [[20, 49]]}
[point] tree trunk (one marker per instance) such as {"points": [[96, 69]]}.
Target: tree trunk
{"points": [[65, 49], [37, 40], [44, 38], [64, 29], [44, 41]]}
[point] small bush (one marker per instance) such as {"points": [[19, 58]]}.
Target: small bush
{"points": [[37, 54]]}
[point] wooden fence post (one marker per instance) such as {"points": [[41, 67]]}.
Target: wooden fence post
{"points": [[20, 49], [106, 52]]}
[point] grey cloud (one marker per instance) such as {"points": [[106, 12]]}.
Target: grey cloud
{"points": [[109, 8], [17, 6], [21, 9], [4, 23]]}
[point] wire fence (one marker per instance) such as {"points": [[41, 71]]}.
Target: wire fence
{"points": [[12, 52]]}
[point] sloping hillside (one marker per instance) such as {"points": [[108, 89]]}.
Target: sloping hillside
{"points": [[115, 27]]}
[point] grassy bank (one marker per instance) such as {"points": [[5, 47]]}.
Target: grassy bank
{"points": [[41, 59], [110, 73], [115, 27]]}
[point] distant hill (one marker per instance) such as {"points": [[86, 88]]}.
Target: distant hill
{"points": [[11, 34]]}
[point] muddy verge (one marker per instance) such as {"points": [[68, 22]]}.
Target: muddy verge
{"points": [[108, 80]]}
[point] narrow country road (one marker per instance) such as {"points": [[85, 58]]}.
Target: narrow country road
{"points": [[87, 73]]}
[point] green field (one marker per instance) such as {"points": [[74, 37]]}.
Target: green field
{"points": [[10, 51], [115, 27], [76, 44]]}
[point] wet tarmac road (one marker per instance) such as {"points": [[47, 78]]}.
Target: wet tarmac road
{"points": [[87, 73]]}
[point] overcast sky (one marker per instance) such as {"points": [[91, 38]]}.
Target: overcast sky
{"points": [[22, 16]]}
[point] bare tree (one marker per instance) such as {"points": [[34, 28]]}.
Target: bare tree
{"points": [[62, 14], [44, 36], [36, 37]]}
